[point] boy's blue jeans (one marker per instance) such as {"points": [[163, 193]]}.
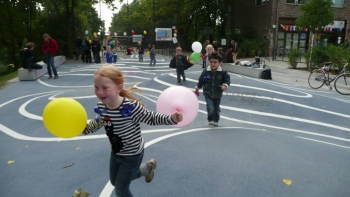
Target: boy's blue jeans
{"points": [[213, 108], [122, 170], [140, 56], [50, 64], [153, 60]]}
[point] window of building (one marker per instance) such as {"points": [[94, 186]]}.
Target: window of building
{"points": [[261, 2], [338, 3], [295, 1]]}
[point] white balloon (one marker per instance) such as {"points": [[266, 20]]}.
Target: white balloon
{"points": [[156, 30], [197, 47]]}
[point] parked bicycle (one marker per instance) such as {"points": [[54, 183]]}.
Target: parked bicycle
{"points": [[319, 77], [281, 51]]}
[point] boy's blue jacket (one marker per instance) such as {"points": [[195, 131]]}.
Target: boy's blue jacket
{"points": [[211, 82]]}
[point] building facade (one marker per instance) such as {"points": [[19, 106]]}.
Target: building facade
{"points": [[274, 20]]}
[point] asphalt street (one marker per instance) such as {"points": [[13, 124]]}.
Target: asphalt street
{"points": [[275, 138]]}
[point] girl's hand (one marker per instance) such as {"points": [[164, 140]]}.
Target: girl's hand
{"points": [[177, 117], [85, 133]]}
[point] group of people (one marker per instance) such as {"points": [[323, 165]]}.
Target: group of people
{"points": [[84, 48], [213, 79], [227, 57], [49, 47]]}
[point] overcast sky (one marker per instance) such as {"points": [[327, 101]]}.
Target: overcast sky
{"points": [[107, 14]]}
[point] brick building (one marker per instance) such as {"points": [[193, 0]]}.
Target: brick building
{"points": [[274, 20]]}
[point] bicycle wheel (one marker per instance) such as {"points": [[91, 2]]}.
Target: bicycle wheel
{"points": [[316, 79], [342, 84]]}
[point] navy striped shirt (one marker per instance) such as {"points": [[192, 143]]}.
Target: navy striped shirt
{"points": [[122, 125]]}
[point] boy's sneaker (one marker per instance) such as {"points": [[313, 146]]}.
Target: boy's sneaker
{"points": [[211, 123], [152, 165], [215, 124]]}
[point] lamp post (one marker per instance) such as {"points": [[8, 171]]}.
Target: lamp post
{"points": [[154, 19], [128, 17]]}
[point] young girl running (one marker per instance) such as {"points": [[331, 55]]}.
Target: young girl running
{"points": [[121, 113]]}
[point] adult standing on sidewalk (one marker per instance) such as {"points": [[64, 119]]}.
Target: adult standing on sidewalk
{"points": [[87, 52], [79, 47], [96, 47], [235, 50], [50, 48]]}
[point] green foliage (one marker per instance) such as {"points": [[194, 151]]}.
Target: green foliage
{"points": [[331, 53], [294, 56], [315, 14]]}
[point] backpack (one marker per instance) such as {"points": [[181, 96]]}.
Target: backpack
{"points": [[266, 73]]}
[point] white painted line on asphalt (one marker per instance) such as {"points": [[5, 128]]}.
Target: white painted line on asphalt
{"points": [[10, 101], [242, 86], [287, 102], [323, 142], [22, 109], [108, 189], [19, 136], [55, 86]]}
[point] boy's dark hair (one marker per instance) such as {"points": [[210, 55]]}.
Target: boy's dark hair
{"points": [[215, 55], [29, 45]]}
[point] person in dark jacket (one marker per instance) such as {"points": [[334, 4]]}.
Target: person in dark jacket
{"points": [[28, 58], [79, 47], [214, 81], [96, 47], [220, 51], [229, 56], [86, 50]]}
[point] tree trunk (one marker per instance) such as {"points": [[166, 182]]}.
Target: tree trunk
{"points": [[69, 52]]}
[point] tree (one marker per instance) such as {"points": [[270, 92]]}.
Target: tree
{"points": [[315, 15]]}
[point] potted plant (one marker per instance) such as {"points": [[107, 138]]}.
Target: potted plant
{"points": [[293, 57]]}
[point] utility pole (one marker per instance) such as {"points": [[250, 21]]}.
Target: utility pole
{"points": [[127, 3], [154, 20], [228, 30]]}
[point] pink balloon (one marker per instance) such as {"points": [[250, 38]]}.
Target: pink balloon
{"points": [[179, 98]]}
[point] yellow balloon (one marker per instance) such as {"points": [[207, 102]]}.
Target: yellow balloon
{"points": [[64, 117], [144, 32]]}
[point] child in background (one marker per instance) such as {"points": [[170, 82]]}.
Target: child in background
{"points": [[222, 54], [209, 49], [141, 51], [115, 55], [108, 55], [152, 55], [121, 113], [214, 81], [28, 58]]}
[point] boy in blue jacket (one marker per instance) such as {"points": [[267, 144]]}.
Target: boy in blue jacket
{"points": [[214, 81]]}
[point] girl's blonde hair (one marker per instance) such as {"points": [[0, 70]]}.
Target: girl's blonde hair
{"points": [[116, 75], [47, 36], [209, 46]]}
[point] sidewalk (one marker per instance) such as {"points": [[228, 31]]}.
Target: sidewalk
{"points": [[280, 71]]}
